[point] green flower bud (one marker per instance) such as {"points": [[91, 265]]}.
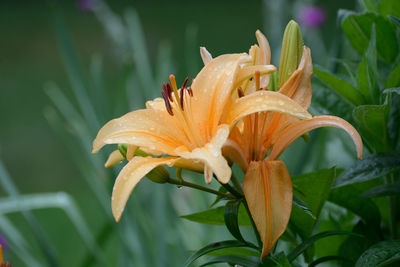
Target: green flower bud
{"points": [[158, 175], [122, 149], [291, 53]]}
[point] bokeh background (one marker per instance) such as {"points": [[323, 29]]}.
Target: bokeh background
{"points": [[67, 67]]}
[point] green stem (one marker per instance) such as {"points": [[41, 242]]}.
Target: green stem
{"points": [[237, 184], [389, 179], [199, 187], [232, 190], [259, 242]]}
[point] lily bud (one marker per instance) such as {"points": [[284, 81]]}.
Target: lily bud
{"points": [[158, 175], [122, 149], [292, 51]]}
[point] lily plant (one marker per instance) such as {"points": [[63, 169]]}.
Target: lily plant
{"points": [[234, 111]]}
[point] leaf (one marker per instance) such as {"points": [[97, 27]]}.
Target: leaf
{"points": [[300, 204], [213, 247], [218, 198], [325, 259], [306, 244], [216, 216], [370, 5], [372, 167], [372, 120], [342, 87], [349, 198], [392, 90], [395, 20], [389, 7], [234, 260], [381, 254], [383, 190], [314, 188], [231, 218], [394, 78], [357, 27]]}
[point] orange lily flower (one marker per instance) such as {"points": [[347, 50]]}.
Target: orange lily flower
{"points": [[190, 124], [256, 144]]}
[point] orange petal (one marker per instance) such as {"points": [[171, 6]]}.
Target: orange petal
{"points": [[266, 101], [130, 176], [248, 72], [268, 191], [264, 54], [295, 130], [147, 128], [205, 55], [157, 104], [211, 92], [298, 86], [232, 151], [211, 156], [114, 158]]}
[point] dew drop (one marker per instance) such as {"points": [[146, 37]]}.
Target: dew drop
{"points": [[280, 102]]}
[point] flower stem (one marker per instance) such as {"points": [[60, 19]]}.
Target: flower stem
{"points": [[237, 184], [199, 187]]}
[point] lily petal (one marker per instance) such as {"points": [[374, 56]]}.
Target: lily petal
{"points": [[154, 129], [268, 191], [157, 104], [248, 72], [205, 55], [130, 176], [295, 130], [211, 155], [298, 86], [266, 101]]}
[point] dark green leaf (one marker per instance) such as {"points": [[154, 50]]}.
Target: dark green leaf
{"points": [[395, 20], [325, 259], [358, 30], [314, 189], [216, 216], [372, 167], [234, 260], [380, 254], [392, 90], [306, 244], [343, 88], [394, 78], [238, 251], [372, 120], [349, 198], [277, 260], [213, 247], [302, 205], [383, 190], [370, 5], [231, 218], [389, 7], [219, 198]]}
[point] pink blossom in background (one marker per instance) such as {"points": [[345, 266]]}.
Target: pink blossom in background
{"points": [[312, 16]]}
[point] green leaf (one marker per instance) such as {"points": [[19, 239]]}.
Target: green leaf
{"points": [[394, 78], [372, 167], [298, 202], [216, 216], [325, 259], [218, 198], [342, 87], [357, 27], [231, 218], [234, 260], [395, 20], [306, 244], [349, 198], [381, 254], [238, 251], [383, 190], [389, 7], [372, 120], [392, 90], [213, 247], [370, 5], [314, 190]]}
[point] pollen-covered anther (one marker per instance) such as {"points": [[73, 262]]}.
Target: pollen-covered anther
{"points": [[240, 92], [167, 102]]}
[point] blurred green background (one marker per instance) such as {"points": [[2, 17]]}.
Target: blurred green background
{"points": [[39, 160]]}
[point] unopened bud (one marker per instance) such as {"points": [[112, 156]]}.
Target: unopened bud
{"points": [[123, 148], [292, 50], [158, 175]]}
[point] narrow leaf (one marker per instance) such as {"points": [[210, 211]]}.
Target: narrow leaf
{"points": [[213, 247], [231, 218], [325, 259], [306, 244], [340, 86], [234, 260], [383, 190]]}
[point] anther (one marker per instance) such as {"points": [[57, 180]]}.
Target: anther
{"points": [[181, 97], [169, 92], [240, 92], [257, 78], [167, 103], [185, 83], [190, 91]]}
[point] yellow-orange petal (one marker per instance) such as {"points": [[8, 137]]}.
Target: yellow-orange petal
{"points": [[263, 57], [295, 130], [205, 55], [232, 151], [211, 155], [298, 86], [248, 72], [157, 104], [130, 176], [114, 158], [147, 128], [265, 101], [211, 92], [268, 191]]}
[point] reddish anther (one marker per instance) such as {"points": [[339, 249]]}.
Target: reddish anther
{"points": [[190, 91], [240, 92], [167, 103], [181, 92], [185, 83], [169, 91]]}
